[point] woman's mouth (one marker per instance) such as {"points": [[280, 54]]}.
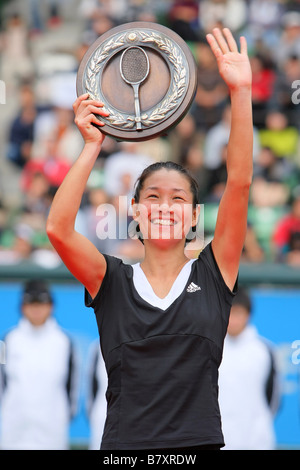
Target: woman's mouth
{"points": [[165, 222]]}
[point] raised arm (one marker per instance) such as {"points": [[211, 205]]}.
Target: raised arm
{"points": [[231, 225], [80, 256]]}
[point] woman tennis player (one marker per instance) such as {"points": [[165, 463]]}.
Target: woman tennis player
{"points": [[162, 322]]}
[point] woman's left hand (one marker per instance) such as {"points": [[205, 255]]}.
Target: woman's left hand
{"points": [[234, 66]]}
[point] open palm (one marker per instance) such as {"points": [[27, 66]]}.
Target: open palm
{"points": [[234, 66]]}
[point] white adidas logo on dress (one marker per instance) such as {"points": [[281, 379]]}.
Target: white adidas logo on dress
{"points": [[193, 287]]}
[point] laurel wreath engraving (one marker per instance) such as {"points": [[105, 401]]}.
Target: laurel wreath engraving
{"points": [[177, 87]]}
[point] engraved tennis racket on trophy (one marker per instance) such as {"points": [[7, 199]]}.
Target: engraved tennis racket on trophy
{"points": [[145, 75], [134, 68]]}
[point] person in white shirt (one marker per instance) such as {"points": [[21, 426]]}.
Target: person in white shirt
{"points": [[38, 385], [248, 383]]}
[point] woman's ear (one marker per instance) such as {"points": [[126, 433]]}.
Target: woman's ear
{"points": [[135, 210], [196, 214], [192, 234], [134, 227]]}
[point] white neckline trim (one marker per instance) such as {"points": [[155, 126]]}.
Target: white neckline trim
{"points": [[144, 288]]}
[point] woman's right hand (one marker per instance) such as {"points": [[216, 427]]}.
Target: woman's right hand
{"points": [[85, 110]]}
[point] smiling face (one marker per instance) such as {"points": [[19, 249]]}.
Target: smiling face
{"points": [[165, 211]]}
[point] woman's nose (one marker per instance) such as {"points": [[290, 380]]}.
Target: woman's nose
{"points": [[164, 207]]}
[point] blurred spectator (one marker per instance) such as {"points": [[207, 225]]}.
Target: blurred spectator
{"points": [[268, 193], [218, 178], [212, 93], [268, 166], [158, 149], [20, 138], [183, 19], [264, 22], [263, 76], [44, 256], [193, 160], [16, 62], [100, 23], [292, 5], [36, 196], [53, 17], [26, 241], [122, 169], [273, 179], [279, 136], [115, 9], [56, 140], [109, 147], [224, 13], [284, 88], [293, 254], [289, 42], [54, 169], [96, 399], [248, 383], [119, 11], [55, 78], [252, 251], [3, 217], [218, 136], [285, 237], [55, 136], [55, 133], [2, 5], [184, 135], [39, 378], [20, 247], [86, 8], [36, 23], [87, 218]]}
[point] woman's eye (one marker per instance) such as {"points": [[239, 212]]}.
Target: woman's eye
{"points": [[152, 195], [178, 197]]}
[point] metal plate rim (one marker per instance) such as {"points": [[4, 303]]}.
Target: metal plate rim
{"points": [[167, 123]]}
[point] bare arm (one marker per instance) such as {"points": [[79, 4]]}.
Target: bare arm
{"points": [[80, 256], [231, 223]]}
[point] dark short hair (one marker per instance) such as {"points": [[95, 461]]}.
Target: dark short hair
{"points": [[36, 290], [168, 165], [243, 299]]}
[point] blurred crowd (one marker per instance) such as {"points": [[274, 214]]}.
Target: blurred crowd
{"points": [[41, 141]]}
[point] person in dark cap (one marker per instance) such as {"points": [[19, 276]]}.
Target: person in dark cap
{"points": [[248, 382], [38, 382], [285, 236], [37, 302]]}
